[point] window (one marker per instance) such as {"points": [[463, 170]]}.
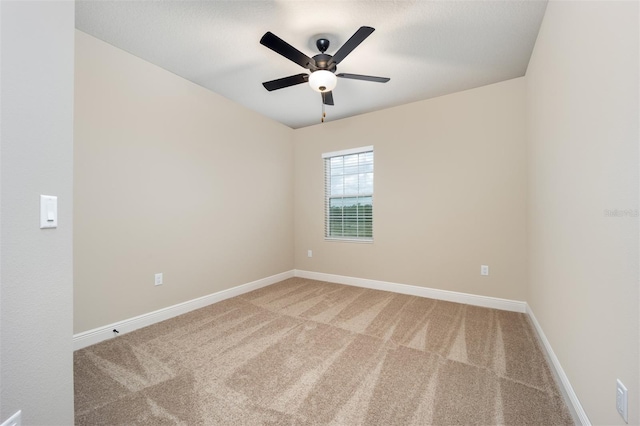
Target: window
{"points": [[348, 177]]}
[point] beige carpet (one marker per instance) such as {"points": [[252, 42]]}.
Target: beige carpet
{"points": [[305, 352]]}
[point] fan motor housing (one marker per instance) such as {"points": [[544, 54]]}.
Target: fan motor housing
{"points": [[322, 59]]}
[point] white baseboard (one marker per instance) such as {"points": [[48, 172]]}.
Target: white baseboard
{"points": [[90, 337], [566, 388], [432, 293]]}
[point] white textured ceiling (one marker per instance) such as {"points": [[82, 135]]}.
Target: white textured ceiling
{"points": [[427, 48]]}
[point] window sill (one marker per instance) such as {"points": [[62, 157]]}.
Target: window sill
{"points": [[348, 240]]}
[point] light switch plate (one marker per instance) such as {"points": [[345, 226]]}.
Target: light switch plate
{"points": [[14, 420], [48, 211], [622, 400]]}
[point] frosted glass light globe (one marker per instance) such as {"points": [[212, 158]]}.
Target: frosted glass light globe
{"points": [[322, 81]]}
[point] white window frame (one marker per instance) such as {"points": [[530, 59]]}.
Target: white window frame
{"points": [[326, 157]]}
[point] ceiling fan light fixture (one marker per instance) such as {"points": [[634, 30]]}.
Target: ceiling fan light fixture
{"points": [[322, 81]]}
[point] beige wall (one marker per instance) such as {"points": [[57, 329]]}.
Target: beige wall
{"points": [[582, 96], [449, 194], [36, 281], [171, 178]]}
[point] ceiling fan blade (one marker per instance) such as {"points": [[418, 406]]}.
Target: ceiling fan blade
{"points": [[364, 77], [280, 46], [327, 98], [281, 83], [357, 38]]}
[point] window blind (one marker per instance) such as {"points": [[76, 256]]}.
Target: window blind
{"points": [[349, 194]]}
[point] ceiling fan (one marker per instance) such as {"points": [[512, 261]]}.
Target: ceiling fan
{"points": [[323, 77]]}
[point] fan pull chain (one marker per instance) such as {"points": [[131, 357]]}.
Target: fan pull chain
{"points": [[324, 114]]}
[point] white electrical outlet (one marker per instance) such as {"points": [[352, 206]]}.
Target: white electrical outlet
{"points": [[621, 400], [13, 420], [484, 270], [158, 279], [309, 253]]}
